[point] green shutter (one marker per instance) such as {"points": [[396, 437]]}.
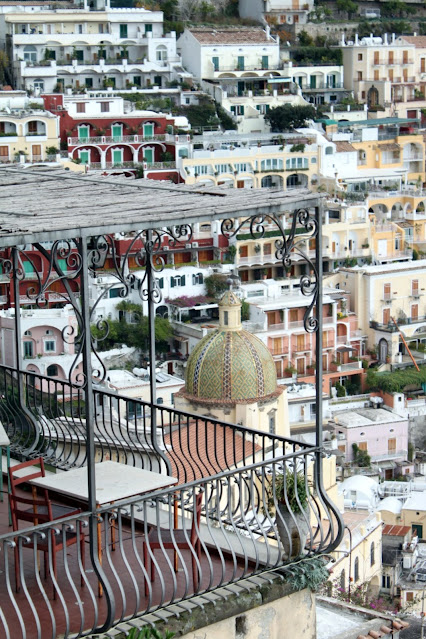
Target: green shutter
{"points": [[241, 110], [182, 280], [161, 282], [172, 282], [233, 110]]}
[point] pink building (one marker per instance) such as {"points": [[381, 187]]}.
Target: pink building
{"points": [[381, 433]]}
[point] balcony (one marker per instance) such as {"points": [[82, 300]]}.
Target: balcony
{"points": [[108, 139], [239, 538], [77, 422]]}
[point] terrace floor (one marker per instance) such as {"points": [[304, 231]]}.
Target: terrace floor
{"points": [[128, 588]]}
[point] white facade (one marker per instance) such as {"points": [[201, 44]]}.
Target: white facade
{"points": [[214, 54], [283, 11], [92, 49]]}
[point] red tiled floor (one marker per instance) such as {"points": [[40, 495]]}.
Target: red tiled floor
{"points": [[123, 569]]}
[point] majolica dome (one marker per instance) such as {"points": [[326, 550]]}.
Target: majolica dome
{"points": [[230, 365]]}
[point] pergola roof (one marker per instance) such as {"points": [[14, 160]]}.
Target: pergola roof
{"points": [[45, 205]]}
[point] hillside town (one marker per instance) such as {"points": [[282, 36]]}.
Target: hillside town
{"points": [[212, 319]]}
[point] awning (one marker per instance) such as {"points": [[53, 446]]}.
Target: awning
{"points": [[179, 338], [391, 146], [344, 349], [386, 464]]}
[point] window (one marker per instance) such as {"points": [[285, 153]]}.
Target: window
{"points": [[114, 292], [386, 316], [386, 582], [265, 62], [237, 109], [392, 446], [81, 107], [215, 61], [376, 57], [410, 596], [30, 54], [52, 371], [28, 349], [363, 446], [387, 292], [49, 346], [240, 63], [359, 57], [372, 558], [179, 280], [123, 30], [329, 150], [272, 164], [272, 424], [88, 82], [405, 57], [225, 317], [197, 278], [28, 333], [161, 282], [390, 57], [160, 56], [201, 170], [134, 409], [359, 76], [415, 288], [356, 569], [104, 107], [148, 28]]}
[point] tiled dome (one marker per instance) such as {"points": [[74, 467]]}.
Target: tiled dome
{"points": [[230, 365]]}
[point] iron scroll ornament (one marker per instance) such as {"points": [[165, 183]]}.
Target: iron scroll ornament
{"points": [[285, 246]]}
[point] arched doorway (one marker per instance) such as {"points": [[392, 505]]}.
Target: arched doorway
{"points": [[372, 97], [383, 350]]}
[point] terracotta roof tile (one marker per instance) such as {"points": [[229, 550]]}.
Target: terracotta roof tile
{"points": [[389, 146], [396, 531], [230, 36], [199, 450], [344, 147], [418, 41]]}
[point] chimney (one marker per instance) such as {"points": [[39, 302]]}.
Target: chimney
{"points": [[356, 39], [268, 31], [385, 39], [343, 40], [393, 38]]}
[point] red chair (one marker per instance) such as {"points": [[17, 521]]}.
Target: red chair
{"points": [[174, 539], [37, 510], [40, 512], [36, 469]]}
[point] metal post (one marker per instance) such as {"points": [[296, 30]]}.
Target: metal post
{"points": [[151, 334], [90, 441], [318, 337], [350, 561], [17, 337]]}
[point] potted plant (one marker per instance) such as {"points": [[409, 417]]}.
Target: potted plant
{"points": [[290, 492]]}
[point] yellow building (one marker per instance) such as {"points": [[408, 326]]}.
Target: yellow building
{"points": [[358, 558], [386, 71], [27, 136], [291, 165], [383, 293], [398, 152]]}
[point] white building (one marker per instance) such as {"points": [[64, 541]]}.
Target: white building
{"points": [[93, 49], [281, 11]]}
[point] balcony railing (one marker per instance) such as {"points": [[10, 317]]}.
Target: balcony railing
{"points": [[235, 469], [109, 139]]}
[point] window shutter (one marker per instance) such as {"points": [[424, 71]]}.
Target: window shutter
{"points": [[172, 282], [233, 110], [182, 280], [241, 110], [161, 282]]}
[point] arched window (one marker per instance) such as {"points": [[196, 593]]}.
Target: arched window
{"points": [[30, 53], [329, 150], [161, 53], [372, 560], [356, 569], [52, 371]]}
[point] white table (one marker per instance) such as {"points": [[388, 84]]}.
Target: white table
{"points": [[114, 481]]}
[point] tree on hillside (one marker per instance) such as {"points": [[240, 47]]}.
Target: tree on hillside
{"points": [[347, 6], [287, 117]]}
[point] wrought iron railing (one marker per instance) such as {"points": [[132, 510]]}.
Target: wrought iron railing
{"points": [[253, 520], [75, 422]]}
